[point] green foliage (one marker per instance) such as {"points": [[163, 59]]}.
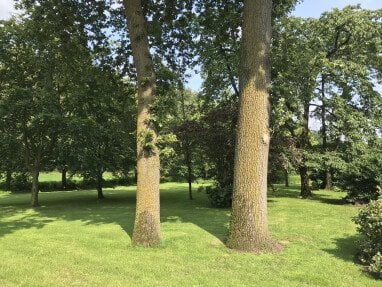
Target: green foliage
{"points": [[361, 177], [369, 222], [376, 265], [147, 139], [21, 182], [219, 196]]}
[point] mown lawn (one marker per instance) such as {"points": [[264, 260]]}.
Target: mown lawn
{"points": [[75, 240]]}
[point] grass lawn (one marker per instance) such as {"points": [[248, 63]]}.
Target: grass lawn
{"points": [[56, 176], [75, 240]]}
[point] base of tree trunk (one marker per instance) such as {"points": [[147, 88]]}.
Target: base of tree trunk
{"points": [[100, 195], [266, 245], [146, 232]]}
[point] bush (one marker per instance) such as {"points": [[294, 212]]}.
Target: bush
{"points": [[369, 222], [220, 196], [362, 176], [21, 182]]}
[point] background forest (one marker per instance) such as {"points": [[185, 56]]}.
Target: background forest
{"points": [[71, 86]]}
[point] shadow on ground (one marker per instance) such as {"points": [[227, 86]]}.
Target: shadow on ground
{"points": [[293, 191], [118, 207], [346, 248]]}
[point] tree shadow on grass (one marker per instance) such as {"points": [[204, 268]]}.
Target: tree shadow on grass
{"points": [[197, 211], [70, 206], [118, 207], [346, 248], [293, 191]]}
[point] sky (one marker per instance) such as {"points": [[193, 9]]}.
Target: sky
{"points": [[308, 8]]}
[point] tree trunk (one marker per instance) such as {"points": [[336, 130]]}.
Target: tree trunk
{"points": [[189, 172], [35, 188], [305, 144], [249, 226], [8, 180], [286, 176], [100, 186], [147, 217], [63, 178], [304, 176], [327, 174], [328, 179]]}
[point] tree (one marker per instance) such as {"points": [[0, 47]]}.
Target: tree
{"points": [[147, 217], [330, 75], [249, 227]]}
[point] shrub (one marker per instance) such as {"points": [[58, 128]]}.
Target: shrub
{"points": [[220, 196], [376, 265], [369, 222], [21, 182]]}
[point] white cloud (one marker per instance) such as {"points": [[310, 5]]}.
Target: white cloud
{"points": [[6, 9]]}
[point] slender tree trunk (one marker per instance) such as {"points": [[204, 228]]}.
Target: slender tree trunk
{"points": [[249, 226], [327, 174], [147, 217], [189, 172], [188, 147], [63, 178], [286, 176], [305, 144], [35, 187], [8, 180], [100, 186], [328, 179], [304, 176]]}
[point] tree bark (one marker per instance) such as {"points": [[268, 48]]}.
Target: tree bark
{"points": [[63, 178], [147, 217], [8, 180], [305, 144], [286, 177], [249, 226], [35, 187], [189, 172], [304, 176], [327, 174], [328, 179], [100, 186]]}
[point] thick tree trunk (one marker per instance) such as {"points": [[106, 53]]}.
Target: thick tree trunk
{"points": [[249, 226], [8, 180], [100, 186], [147, 217], [35, 188], [63, 178]]}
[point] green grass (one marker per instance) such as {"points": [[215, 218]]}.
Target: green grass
{"points": [[75, 240], [56, 176]]}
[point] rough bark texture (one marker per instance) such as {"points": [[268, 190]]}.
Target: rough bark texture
{"points": [[147, 217], [249, 227]]}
